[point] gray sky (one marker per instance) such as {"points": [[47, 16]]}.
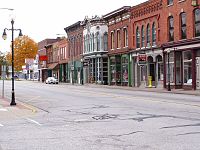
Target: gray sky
{"points": [[40, 19]]}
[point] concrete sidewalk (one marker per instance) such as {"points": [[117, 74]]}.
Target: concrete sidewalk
{"points": [[146, 89], [8, 112]]}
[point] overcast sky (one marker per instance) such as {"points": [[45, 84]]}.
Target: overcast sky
{"points": [[41, 19]]}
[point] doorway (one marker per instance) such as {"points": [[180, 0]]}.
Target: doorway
{"points": [[198, 73]]}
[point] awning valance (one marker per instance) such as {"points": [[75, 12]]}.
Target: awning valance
{"points": [[52, 66]]}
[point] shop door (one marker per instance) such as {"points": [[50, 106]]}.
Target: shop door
{"points": [[198, 73], [152, 74]]}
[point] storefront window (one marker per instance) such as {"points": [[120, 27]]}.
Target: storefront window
{"points": [[124, 69], [118, 69], [178, 68], [187, 60], [170, 70], [113, 69], [160, 68]]}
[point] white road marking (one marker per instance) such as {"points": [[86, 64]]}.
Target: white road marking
{"points": [[33, 121], [3, 109], [1, 125]]}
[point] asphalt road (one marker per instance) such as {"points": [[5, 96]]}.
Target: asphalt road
{"points": [[71, 117]]}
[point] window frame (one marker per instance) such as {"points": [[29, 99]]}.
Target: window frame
{"points": [[170, 28], [183, 25]]}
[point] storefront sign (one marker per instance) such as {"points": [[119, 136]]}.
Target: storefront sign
{"points": [[43, 58], [142, 59]]}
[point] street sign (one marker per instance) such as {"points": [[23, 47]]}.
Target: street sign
{"points": [[3, 68]]}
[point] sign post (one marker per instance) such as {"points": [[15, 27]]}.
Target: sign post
{"points": [[3, 77]]}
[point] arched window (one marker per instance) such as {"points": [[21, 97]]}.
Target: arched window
{"points": [[143, 37], [171, 28], [125, 37], [93, 42], [154, 34], [84, 44], [197, 22], [183, 25], [148, 35], [137, 38], [105, 41], [98, 41], [112, 40]]}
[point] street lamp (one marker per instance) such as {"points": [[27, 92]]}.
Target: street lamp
{"points": [[4, 36], [168, 88]]}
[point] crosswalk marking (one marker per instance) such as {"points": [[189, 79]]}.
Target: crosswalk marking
{"points": [[3, 109], [31, 120]]}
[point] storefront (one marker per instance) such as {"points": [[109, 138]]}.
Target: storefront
{"points": [[119, 70], [147, 68], [182, 65], [96, 69]]}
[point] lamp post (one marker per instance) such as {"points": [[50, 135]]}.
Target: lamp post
{"points": [[168, 88], [4, 36], [82, 71]]}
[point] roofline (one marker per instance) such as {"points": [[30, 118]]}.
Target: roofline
{"points": [[115, 12], [73, 25]]}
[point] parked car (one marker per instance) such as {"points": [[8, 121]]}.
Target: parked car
{"points": [[51, 80]]}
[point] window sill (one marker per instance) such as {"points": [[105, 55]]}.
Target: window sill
{"points": [[170, 5], [180, 1]]}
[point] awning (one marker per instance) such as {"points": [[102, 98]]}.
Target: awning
{"points": [[52, 66]]}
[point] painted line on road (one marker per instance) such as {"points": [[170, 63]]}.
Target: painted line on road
{"points": [[33, 121], [3, 109], [1, 125], [32, 108]]}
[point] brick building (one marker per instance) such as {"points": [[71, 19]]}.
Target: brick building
{"points": [[42, 53], [147, 56], [119, 45], [75, 38], [63, 59], [180, 32]]}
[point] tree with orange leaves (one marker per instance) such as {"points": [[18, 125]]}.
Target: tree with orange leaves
{"points": [[24, 47]]}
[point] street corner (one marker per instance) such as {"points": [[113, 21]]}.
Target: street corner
{"points": [[24, 106], [4, 103]]}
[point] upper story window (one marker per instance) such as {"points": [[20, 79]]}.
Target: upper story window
{"points": [[143, 37], [154, 34], [137, 38], [112, 40], [171, 28], [98, 41], [125, 37], [118, 39], [169, 2], [84, 44], [93, 42], [148, 35], [197, 22], [105, 41], [183, 25]]}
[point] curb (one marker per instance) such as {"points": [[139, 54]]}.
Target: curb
{"points": [[157, 90], [21, 105]]}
